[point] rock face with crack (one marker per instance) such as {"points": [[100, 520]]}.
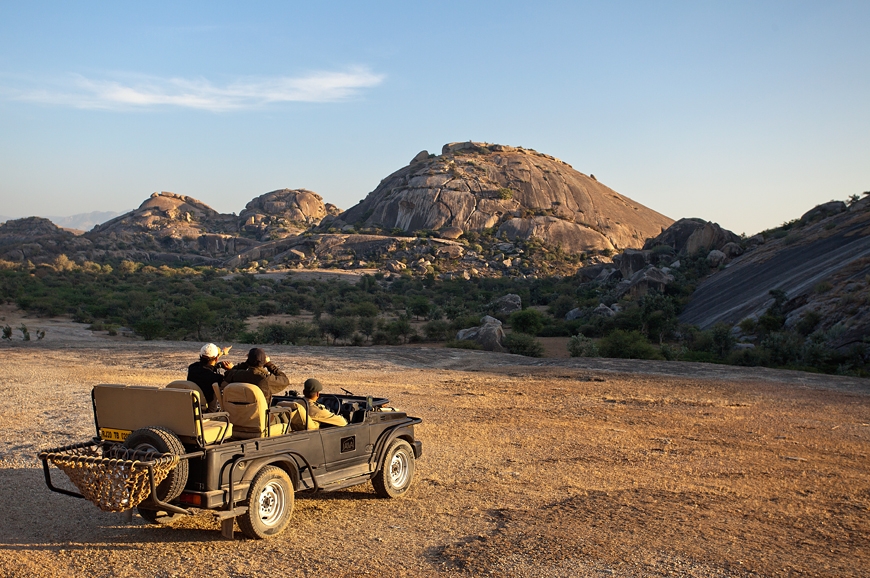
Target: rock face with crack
{"points": [[523, 194], [822, 263]]}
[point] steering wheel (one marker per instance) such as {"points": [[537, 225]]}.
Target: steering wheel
{"points": [[331, 402]]}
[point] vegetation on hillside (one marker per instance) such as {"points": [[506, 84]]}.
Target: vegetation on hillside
{"points": [[204, 303]]}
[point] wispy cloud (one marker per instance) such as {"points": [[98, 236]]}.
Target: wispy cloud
{"points": [[146, 92]]}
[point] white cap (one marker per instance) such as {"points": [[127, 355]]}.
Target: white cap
{"points": [[209, 350]]}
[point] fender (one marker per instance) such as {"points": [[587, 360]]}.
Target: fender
{"points": [[405, 429], [285, 461]]}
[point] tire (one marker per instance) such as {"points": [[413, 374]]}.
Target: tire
{"points": [[270, 504], [162, 440], [396, 473]]}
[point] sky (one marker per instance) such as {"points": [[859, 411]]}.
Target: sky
{"points": [[746, 113]]}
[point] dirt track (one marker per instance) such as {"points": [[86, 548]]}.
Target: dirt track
{"points": [[530, 468]]}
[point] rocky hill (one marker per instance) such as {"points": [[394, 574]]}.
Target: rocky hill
{"points": [[36, 239], [518, 193], [822, 264]]}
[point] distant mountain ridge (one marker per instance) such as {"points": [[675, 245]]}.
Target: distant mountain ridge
{"points": [[83, 221], [79, 221]]}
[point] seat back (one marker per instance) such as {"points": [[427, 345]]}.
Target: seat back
{"points": [[249, 412], [121, 409], [299, 416], [189, 385]]}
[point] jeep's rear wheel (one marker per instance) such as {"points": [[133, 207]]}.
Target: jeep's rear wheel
{"points": [[270, 504], [396, 473], [161, 440]]}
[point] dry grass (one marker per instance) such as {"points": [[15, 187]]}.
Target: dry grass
{"points": [[530, 468]]}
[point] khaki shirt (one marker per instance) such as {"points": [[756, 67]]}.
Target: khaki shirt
{"points": [[317, 415]]}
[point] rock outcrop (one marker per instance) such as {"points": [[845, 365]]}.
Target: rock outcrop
{"points": [[689, 236], [284, 213], [522, 194], [489, 334]]}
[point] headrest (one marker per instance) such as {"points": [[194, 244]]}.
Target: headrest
{"points": [[243, 393]]}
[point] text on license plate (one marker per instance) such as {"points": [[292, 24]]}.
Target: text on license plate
{"points": [[114, 435]]}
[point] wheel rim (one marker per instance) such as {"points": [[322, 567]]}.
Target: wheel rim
{"points": [[399, 470], [271, 504]]}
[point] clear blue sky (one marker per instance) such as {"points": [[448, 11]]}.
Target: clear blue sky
{"points": [[746, 113]]}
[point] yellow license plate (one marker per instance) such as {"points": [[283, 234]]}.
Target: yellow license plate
{"points": [[114, 435]]}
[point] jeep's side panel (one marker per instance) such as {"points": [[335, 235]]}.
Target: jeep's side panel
{"points": [[346, 447]]}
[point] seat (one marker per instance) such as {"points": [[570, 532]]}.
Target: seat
{"points": [[183, 384], [299, 416], [121, 409], [250, 414]]}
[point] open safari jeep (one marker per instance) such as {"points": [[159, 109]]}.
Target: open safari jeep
{"points": [[159, 451]]}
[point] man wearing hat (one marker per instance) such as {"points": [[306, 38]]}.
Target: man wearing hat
{"points": [[208, 370], [317, 414], [258, 370]]}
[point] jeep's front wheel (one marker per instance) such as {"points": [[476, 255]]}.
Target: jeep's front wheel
{"points": [[396, 473], [270, 504]]}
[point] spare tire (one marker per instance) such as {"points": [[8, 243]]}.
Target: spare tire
{"points": [[161, 440]]}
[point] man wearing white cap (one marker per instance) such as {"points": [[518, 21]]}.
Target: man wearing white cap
{"points": [[208, 370]]}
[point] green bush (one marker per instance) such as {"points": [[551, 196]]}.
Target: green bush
{"points": [[627, 345], [783, 347], [436, 330], [523, 344], [582, 346], [560, 306], [528, 321]]}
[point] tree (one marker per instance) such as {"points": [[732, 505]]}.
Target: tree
{"points": [[338, 327], [658, 316], [195, 317], [419, 307], [400, 327]]}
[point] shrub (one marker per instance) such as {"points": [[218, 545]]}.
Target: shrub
{"points": [[748, 325], [528, 321], [465, 322], [627, 345], [783, 347], [505, 194], [523, 344], [582, 346], [808, 323], [436, 330], [561, 306]]}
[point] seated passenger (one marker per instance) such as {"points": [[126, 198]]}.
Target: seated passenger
{"points": [[317, 414], [258, 370], [208, 370]]}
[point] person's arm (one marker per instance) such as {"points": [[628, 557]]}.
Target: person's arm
{"points": [[323, 415], [277, 380]]}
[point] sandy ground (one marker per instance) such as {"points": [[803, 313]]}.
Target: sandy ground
{"points": [[530, 468]]}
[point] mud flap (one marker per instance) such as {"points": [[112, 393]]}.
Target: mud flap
{"points": [[227, 528]]}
